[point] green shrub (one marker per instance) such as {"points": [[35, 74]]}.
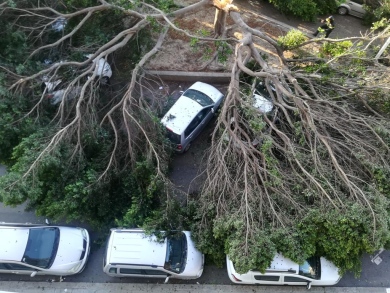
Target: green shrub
{"points": [[335, 49], [305, 9], [292, 39], [377, 12]]}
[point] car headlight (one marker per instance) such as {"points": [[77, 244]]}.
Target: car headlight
{"points": [[83, 232], [76, 267]]}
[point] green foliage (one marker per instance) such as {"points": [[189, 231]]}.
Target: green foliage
{"points": [[341, 237], [224, 50], [378, 14], [194, 42], [13, 44], [382, 180], [380, 101], [305, 9], [335, 49], [97, 30], [292, 39], [210, 243], [79, 3], [13, 126], [146, 200], [380, 24], [204, 32], [63, 186], [257, 254], [291, 244]]}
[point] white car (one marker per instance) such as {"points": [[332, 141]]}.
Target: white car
{"points": [[131, 253], [354, 8], [191, 113], [43, 250], [316, 271], [103, 69], [262, 102]]}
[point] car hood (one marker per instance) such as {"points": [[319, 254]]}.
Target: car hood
{"points": [[329, 272], [209, 90], [70, 248], [195, 260]]}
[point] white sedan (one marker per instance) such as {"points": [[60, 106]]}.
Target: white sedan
{"points": [[43, 250]]}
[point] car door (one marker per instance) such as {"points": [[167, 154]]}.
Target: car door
{"points": [[14, 268], [267, 279], [356, 7], [198, 123], [295, 280]]}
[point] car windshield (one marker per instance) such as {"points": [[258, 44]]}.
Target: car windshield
{"points": [[41, 247], [173, 137], [311, 268], [199, 97], [176, 257]]}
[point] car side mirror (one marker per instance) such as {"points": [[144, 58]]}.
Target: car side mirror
{"points": [[308, 285], [167, 279], [33, 274]]}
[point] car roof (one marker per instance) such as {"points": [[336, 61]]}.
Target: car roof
{"points": [[181, 114], [13, 242], [134, 247], [281, 263]]}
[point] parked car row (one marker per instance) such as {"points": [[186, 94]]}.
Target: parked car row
{"points": [[59, 250]]}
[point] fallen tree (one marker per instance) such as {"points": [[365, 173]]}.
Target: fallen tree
{"points": [[315, 184]]}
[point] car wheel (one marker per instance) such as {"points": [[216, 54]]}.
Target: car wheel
{"points": [[342, 10], [187, 148]]}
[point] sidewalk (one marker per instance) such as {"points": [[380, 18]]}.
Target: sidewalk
{"points": [[38, 287]]}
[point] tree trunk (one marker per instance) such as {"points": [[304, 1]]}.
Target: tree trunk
{"points": [[220, 22]]}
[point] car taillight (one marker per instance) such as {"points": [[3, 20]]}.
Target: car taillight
{"points": [[235, 278], [179, 147]]}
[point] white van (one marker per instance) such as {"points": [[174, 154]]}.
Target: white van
{"points": [[131, 253]]}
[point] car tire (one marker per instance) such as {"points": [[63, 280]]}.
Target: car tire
{"points": [[342, 10], [187, 148]]}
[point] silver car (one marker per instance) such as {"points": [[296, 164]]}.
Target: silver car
{"points": [[191, 113], [354, 8]]}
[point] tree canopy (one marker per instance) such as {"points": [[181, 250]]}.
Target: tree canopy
{"points": [[316, 182]]}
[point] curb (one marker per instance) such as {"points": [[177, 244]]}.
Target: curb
{"points": [[69, 287], [217, 77]]}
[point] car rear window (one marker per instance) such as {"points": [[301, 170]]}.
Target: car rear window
{"points": [[199, 97], [173, 137], [41, 247], [176, 257], [311, 268]]}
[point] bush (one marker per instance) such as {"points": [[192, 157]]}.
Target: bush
{"points": [[293, 39], [305, 9], [335, 49], [377, 12]]}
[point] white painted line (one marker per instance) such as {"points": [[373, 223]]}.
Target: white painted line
{"points": [[377, 260]]}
